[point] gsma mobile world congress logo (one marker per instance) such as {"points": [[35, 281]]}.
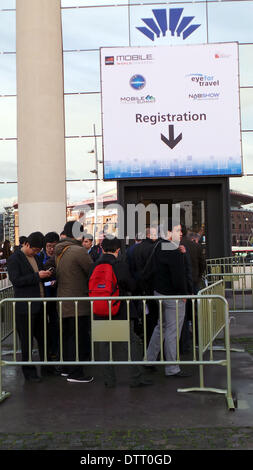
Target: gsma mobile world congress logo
{"points": [[173, 20]]}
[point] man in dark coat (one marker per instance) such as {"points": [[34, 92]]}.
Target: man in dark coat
{"points": [[197, 261], [140, 258], [141, 254], [27, 275], [169, 279], [196, 257]]}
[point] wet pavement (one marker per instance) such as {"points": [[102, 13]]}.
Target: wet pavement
{"points": [[56, 414]]}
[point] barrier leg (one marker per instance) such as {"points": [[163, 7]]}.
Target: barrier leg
{"points": [[230, 400], [227, 363], [3, 394]]}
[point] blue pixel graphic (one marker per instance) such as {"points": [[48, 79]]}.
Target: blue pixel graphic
{"points": [[177, 167]]}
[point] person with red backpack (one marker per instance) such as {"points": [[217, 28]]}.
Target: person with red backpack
{"points": [[109, 277]]}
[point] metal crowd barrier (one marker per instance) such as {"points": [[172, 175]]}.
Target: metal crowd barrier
{"points": [[4, 280], [209, 314], [238, 290], [228, 260], [229, 264], [237, 274], [6, 317], [234, 265]]}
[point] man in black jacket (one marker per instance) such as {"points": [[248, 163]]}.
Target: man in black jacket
{"points": [[169, 279], [140, 257], [141, 254], [111, 249], [27, 275], [197, 264]]}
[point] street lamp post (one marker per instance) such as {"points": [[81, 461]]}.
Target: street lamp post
{"points": [[95, 171]]}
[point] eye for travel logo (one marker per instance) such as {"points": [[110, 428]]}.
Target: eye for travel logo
{"points": [[160, 24], [203, 80]]}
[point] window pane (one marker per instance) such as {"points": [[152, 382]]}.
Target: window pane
{"points": [[8, 117], [81, 71], [8, 195], [81, 158], [247, 149], [246, 65], [81, 112], [76, 3], [156, 25], [230, 21], [82, 190], [91, 28], [246, 98], [8, 160], [4, 4], [78, 191], [7, 31], [7, 74], [159, 2], [243, 184]]}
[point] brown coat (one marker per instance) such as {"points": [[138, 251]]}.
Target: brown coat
{"points": [[197, 259], [72, 271]]}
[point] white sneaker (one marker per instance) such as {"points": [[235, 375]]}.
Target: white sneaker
{"points": [[83, 379]]}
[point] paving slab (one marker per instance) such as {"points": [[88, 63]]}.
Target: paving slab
{"points": [[56, 414]]}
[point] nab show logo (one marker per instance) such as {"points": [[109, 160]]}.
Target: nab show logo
{"points": [[173, 20]]}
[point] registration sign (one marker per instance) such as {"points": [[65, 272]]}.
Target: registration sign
{"points": [[171, 111]]}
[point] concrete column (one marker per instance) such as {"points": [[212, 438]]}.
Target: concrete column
{"points": [[40, 117]]}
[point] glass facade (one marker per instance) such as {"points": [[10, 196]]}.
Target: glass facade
{"points": [[8, 105], [88, 25]]}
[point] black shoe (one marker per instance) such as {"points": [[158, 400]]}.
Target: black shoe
{"points": [[63, 371], [141, 383], [150, 368], [180, 374]]}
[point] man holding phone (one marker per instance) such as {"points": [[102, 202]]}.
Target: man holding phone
{"points": [[27, 276]]}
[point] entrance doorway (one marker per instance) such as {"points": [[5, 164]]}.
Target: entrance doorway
{"points": [[204, 207], [192, 215]]}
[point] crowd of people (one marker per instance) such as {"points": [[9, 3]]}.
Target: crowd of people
{"points": [[5, 252], [61, 266]]}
